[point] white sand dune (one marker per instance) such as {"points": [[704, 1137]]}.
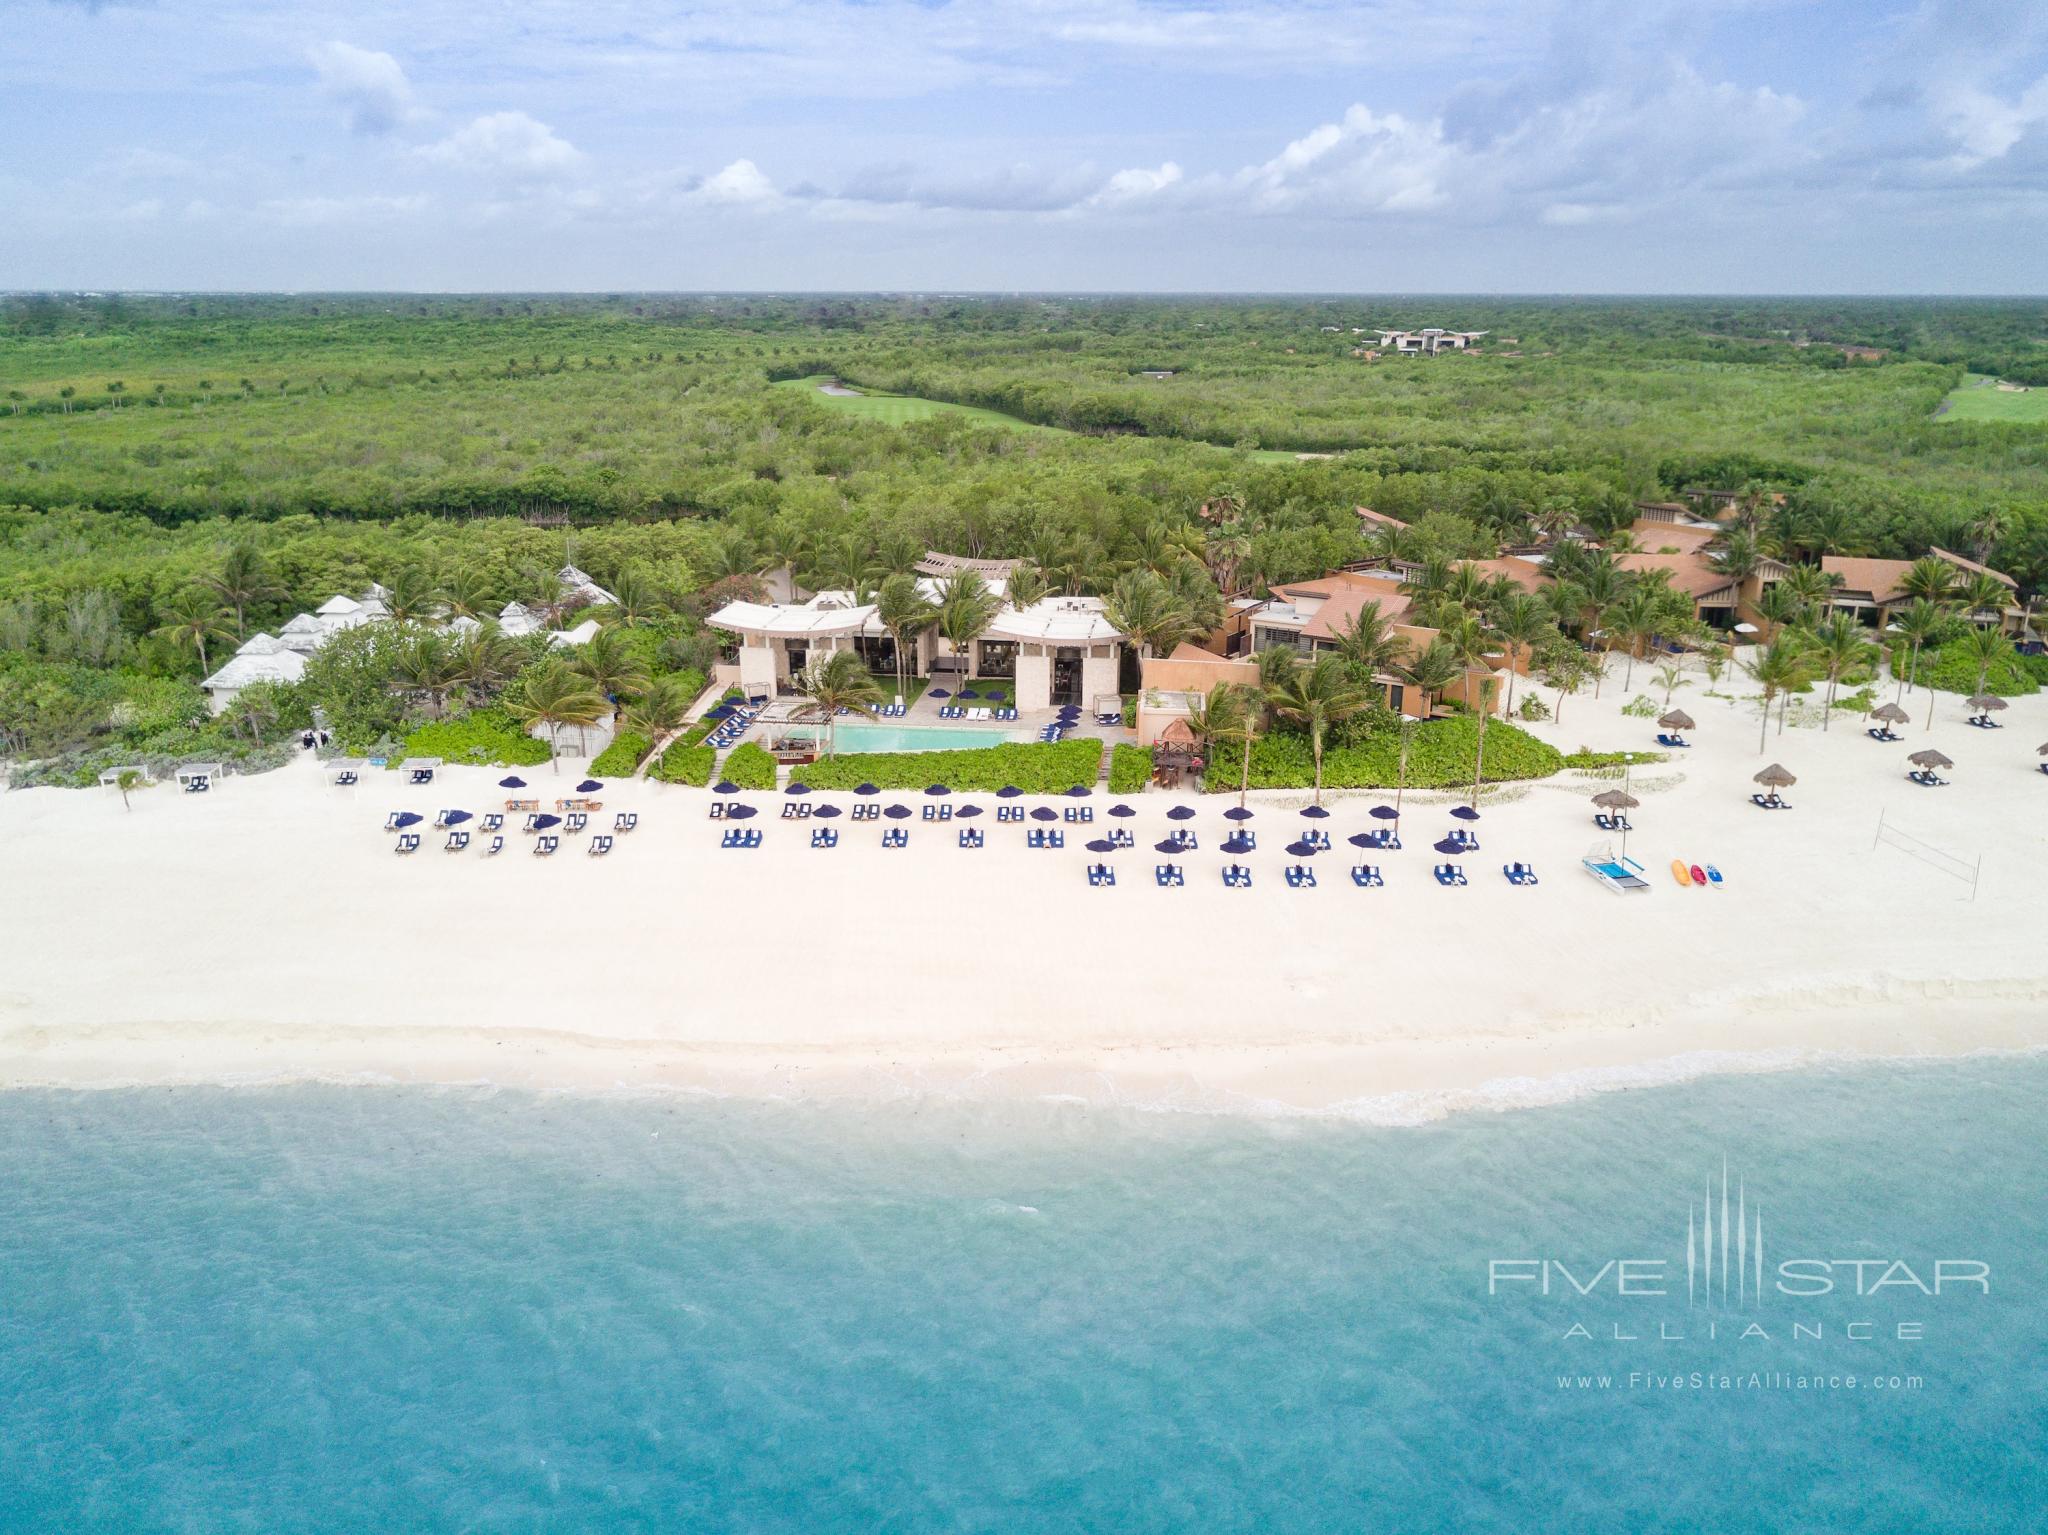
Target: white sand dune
{"points": [[267, 932]]}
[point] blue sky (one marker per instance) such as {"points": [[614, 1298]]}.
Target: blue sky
{"points": [[1375, 145]]}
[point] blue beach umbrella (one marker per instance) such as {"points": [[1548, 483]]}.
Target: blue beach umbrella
{"points": [[1448, 846], [1384, 813], [969, 693], [1465, 813], [1079, 791], [897, 812], [1238, 844], [740, 812], [588, 786], [1315, 812], [966, 812], [936, 693], [826, 812], [455, 818], [543, 822], [1360, 839], [1302, 849], [1238, 813], [409, 818], [1122, 812], [1008, 791], [514, 782], [867, 788], [1043, 814], [796, 786], [725, 786], [1181, 813], [1168, 845], [936, 788], [1102, 845]]}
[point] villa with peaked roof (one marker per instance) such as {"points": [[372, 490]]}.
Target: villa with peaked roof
{"points": [[1719, 600], [1870, 590]]}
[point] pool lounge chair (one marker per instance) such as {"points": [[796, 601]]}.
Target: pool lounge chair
{"points": [[545, 847], [625, 821], [600, 845], [970, 836], [1101, 874], [1519, 873], [1006, 714], [1300, 876], [1449, 874], [896, 836], [408, 842], [1366, 876], [1168, 874], [457, 841]]}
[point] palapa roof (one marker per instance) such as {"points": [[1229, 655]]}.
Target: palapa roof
{"points": [[263, 658]]}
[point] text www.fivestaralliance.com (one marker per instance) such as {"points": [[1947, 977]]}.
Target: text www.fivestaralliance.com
{"points": [[1752, 1380]]}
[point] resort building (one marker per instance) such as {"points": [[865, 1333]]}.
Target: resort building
{"points": [[1060, 650], [1171, 686], [1719, 600], [262, 658], [1428, 341], [1870, 590]]}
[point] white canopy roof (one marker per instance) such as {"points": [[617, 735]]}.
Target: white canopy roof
{"points": [[263, 659]]}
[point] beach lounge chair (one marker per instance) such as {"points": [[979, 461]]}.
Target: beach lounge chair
{"points": [[731, 837], [1449, 874], [491, 823], [345, 779], [531, 824], [457, 841], [970, 836], [1984, 722], [1101, 874], [1519, 873], [409, 842], [575, 824], [1006, 714], [1320, 840], [789, 810], [1055, 839], [1365, 876], [1009, 812], [625, 821], [600, 845], [824, 836], [718, 808], [1672, 740], [1769, 802], [494, 847], [422, 776], [441, 819], [1883, 733], [1168, 874], [896, 836], [1122, 838], [545, 847], [1300, 876], [1928, 779], [391, 820]]}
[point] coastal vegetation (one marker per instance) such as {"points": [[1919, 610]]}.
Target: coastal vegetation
{"points": [[1032, 766]]}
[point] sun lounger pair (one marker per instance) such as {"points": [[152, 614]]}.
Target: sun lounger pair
{"points": [[1319, 840], [1366, 875], [1167, 874], [1929, 779], [494, 847], [1612, 823], [1383, 840], [866, 812], [1985, 722], [1449, 874], [422, 776], [491, 823], [1300, 877], [970, 836], [391, 820], [1237, 877], [824, 836], [1101, 874], [1885, 733], [576, 824], [1009, 812], [408, 842], [1122, 838], [346, 779], [600, 845], [1040, 836], [1184, 840], [1769, 802], [626, 821], [938, 812], [1519, 873], [545, 847], [892, 711], [896, 836], [1672, 740], [1081, 813], [1469, 843], [793, 811], [738, 837], [457, 841], [951, 712], [1005, 714]]}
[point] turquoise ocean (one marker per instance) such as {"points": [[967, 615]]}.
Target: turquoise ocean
{"points": [[386, 1309]]}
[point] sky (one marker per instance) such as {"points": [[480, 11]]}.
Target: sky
{"points": [[1353, 146]]}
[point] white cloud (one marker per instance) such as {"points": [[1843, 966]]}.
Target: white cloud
{"points": [[740, 184], [1135, 185], [1364, 163], [1986, 126], [370, 86], [506, 144], [322, 212]]}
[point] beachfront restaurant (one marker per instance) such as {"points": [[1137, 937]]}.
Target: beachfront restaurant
{"points": [[1060, 650]]}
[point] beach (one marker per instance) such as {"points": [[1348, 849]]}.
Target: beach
{"points": [[266, 933]]}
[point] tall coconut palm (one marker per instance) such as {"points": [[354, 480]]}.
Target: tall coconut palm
{"points": [[192, 618], [1431, 670], [483, 662], [1026, 586], [413, 595], [639, 602], [470, 594], [1566, 669], [555, 694], [1812, 588], [1777, 668], [901, 608], [1368, 643], [1929, 579], [1987, 647], [1317, 695], [966, 608], [662, 709], [610, 663], [243, 581], [425, 663], [840, 681], [1921, 622], [1837, 645], [1983, 597], [1522, 621], [1637, 618], [1148, 612]]}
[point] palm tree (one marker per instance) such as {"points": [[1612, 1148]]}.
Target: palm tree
{"points": [[413, 595], [1487, 685], [1027, 586], [901, 608], [127, 780], [1987, 647], [657, 714], [1636, 618], [1369, 643], [1929, 579], [555, 694], [1920, 623], [840, 681], [469, 594], [1520, 621], [243, 581], [483, 662], [966, 608], [192, 618], [639, 602], [1983, 594], [1778, 668], [1811, 587], [610, 664], [1566, 670], [1318, 695], [1669, 675], [1837, 645], [255, 710], [1148, 612], [1432, 670]]}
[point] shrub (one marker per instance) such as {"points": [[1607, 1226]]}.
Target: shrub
{"points": [[1130, 768], [619, 759], [482, 736], [1035, 767], [1583, 758], [1953, 669], [685, 763], [1439, 757], [1641, 707], [750, 766], [1532, 707]]}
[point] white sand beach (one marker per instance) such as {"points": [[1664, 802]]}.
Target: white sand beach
{"points": [[266, 932]]}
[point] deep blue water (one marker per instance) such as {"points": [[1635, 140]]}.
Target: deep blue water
{"points": [[393, 1310]]}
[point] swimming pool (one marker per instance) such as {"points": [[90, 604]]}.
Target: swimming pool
{"points": [[849, 737]]}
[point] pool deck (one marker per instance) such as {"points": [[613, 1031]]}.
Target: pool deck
{"points": [[924, 714]]}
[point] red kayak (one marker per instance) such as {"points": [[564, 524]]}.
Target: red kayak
{"points": [[1699, 875]]}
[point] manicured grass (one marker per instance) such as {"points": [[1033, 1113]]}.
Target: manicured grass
{"points": [[902, 409], [1980, 399]]}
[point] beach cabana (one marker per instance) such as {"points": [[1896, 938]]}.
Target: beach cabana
{"points": [[420, 770], [1986, 705], [198, 777], [1773, 778], [1927, 764], [345, 772]]}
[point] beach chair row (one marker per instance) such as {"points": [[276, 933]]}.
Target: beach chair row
{"points": [[1302, 876], [544, 846]]}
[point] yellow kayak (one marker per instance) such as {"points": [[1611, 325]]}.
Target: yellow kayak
{"points": [[1681, 871]]}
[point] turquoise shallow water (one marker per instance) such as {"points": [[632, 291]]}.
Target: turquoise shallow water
{"points": [[381, 1309]]}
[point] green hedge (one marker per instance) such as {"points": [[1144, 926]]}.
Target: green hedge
{"points": [[685, 764], [1439, 757], [750, 767], [1584, 758], [482, 736], [619, 759], [1953, 669], [1130, 769], [1034, 767]]}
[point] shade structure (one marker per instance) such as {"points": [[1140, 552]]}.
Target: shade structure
{"points": [[1181, 813], [1237, 844], [588, 786], [1360, 839], [408, 818], [1315, 812], [1043, 814], [937, 693], [1448, 845], [896, 812], [1168, 845], [1776, 776], [936, 788], [1008, 791], [1986, 703], [455, 818], [1101, 845], [1384, 813], [1302, 848], [1930, 758], [867, 788], [796, 787], [826, 812], [740, 812], [970, 693], [1079, 791], [1891, 714], [967, 812], [1122, 812], [725, 786], [1464, 813], [514, 782], [1237, 813], [1677, 719], [1615, 799], [543, 822], [2043, 752]]}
